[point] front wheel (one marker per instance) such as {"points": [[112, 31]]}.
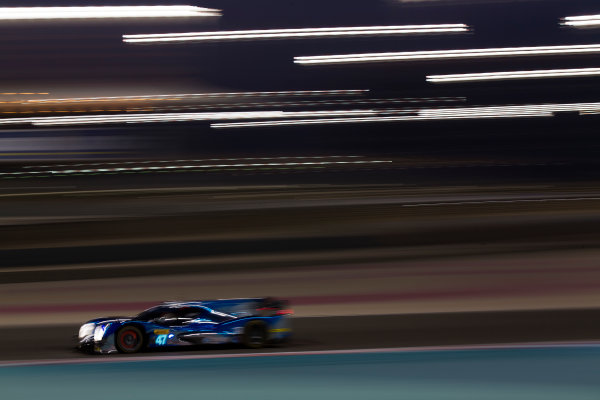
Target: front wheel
{"points": [[130, 339], [255, 335]]}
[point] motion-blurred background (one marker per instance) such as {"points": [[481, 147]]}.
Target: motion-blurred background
{"points": [[149, 159]]}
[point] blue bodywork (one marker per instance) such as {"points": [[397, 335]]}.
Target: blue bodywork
{"points": [[190, 323]]}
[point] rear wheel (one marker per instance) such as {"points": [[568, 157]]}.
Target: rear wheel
{"points": [[130, 339], [255, 335]]}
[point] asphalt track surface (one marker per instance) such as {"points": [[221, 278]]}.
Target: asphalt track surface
{"points": [[359, 332]]}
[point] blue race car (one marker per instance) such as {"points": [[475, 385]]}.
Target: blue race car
{"points": [[250, 322]]}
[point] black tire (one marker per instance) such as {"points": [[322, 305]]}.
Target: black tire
{"points": [[129, 339], [255, 335]]}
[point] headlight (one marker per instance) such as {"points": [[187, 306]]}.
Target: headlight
{"points": [[86, 330], [99, 332]]}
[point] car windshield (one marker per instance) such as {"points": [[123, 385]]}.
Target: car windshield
{"points": [[152, 313]]}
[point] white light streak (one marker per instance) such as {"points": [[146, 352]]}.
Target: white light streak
{"points": [[582, 21], [141, 162], [449, 54], [328, 121], [476, 112], [295, 33], [196, 167], [25, 13], [281, 118], [294, 93], [516, 111], [133, 118], [490, 76], [175, 117], [314, 103]]}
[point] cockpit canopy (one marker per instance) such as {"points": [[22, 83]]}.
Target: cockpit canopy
{"points": [[172, 312]]}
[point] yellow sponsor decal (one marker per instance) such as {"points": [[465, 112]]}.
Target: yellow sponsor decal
{"points": [[161, 331], [280, 330]]}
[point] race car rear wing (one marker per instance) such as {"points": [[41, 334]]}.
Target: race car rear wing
{"points": [[240, 308], [271, 306]]}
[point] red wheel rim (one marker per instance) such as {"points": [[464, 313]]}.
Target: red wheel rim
{"points": [[128, 339]]}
